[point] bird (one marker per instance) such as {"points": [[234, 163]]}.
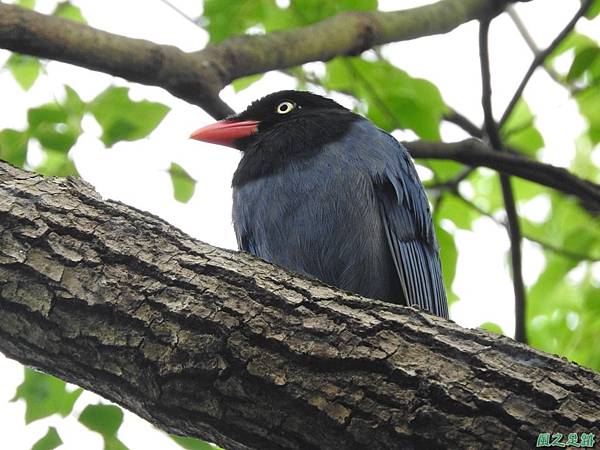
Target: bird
{"points": [[322, 191]]}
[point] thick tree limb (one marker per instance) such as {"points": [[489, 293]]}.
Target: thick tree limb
{"points": [[223, 346], [476, 153], [185, 75], [198, 77]]}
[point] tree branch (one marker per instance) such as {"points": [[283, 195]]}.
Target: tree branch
{"points": [[543, 244], [198, 77], [464, 122], [223, 346], [474, 152], [541, 56], [183, 74], [514, 15], [514, 228]]}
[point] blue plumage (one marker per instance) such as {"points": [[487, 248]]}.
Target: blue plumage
{"points": [[322, 191], [353, 214]]}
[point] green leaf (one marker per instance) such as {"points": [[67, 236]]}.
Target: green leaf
{"points": [[50, 125], [25, 69], [311, 11], [449, 256], [573, 41], [582, 61], [106, 420], [562, 315], [49, 442], [227, 18], [519, 130], [492, 327], [594, 10], [452, 208], [57, 164], [193, 444], [44, 395], [520, 118], [568, 226], [443, 170], [583, 164], [487, 192], [68, 11], [528, 141], [57, 126], [408, 102], [29, 4], [103, 419], [242, 83], [183, 184], [73, 104], [13, 146], [526, 190], [123, 119], [588, 101]]}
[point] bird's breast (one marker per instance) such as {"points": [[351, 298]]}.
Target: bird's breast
{"points": [[317, 217]]}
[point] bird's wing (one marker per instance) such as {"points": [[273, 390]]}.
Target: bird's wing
{"points": [[405, 213]]}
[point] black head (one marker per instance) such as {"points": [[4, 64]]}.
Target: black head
{"points": [[279, 127]]}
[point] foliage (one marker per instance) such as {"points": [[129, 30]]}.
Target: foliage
{"points": [[67, 10], [45, 395], [408, 103], [49, 441], [563, 312], [106, 420], [183, 184], [519, 131], [122, 119], [193, 444], [24, 68]]}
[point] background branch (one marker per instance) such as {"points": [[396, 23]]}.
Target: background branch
{"points": [[541, 56], [476, 153], [514, 15], [464, 122], [545, 245], [514, 228], [198, 77]]}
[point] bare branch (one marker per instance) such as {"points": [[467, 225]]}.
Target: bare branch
{"points": [[514, 228], [567, 253], [541, 56], [474, 152], [180, 12], [464, 122]]}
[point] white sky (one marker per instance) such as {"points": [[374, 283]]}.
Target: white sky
{"points": [[135, 172]]}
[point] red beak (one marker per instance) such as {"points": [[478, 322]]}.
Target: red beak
{"points": [[225, 132]]}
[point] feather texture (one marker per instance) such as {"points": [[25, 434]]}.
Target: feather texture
{"points": [[353, 215]]}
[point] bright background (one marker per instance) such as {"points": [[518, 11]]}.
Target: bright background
{"points": [[135, 173]]}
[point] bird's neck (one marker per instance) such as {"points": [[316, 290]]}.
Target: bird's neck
{"points": [[290, 143]]}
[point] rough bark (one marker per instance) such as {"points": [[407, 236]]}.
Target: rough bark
{"points": [[223, 346]]}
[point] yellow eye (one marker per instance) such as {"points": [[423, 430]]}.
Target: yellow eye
{"points": [[285, 107]]}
